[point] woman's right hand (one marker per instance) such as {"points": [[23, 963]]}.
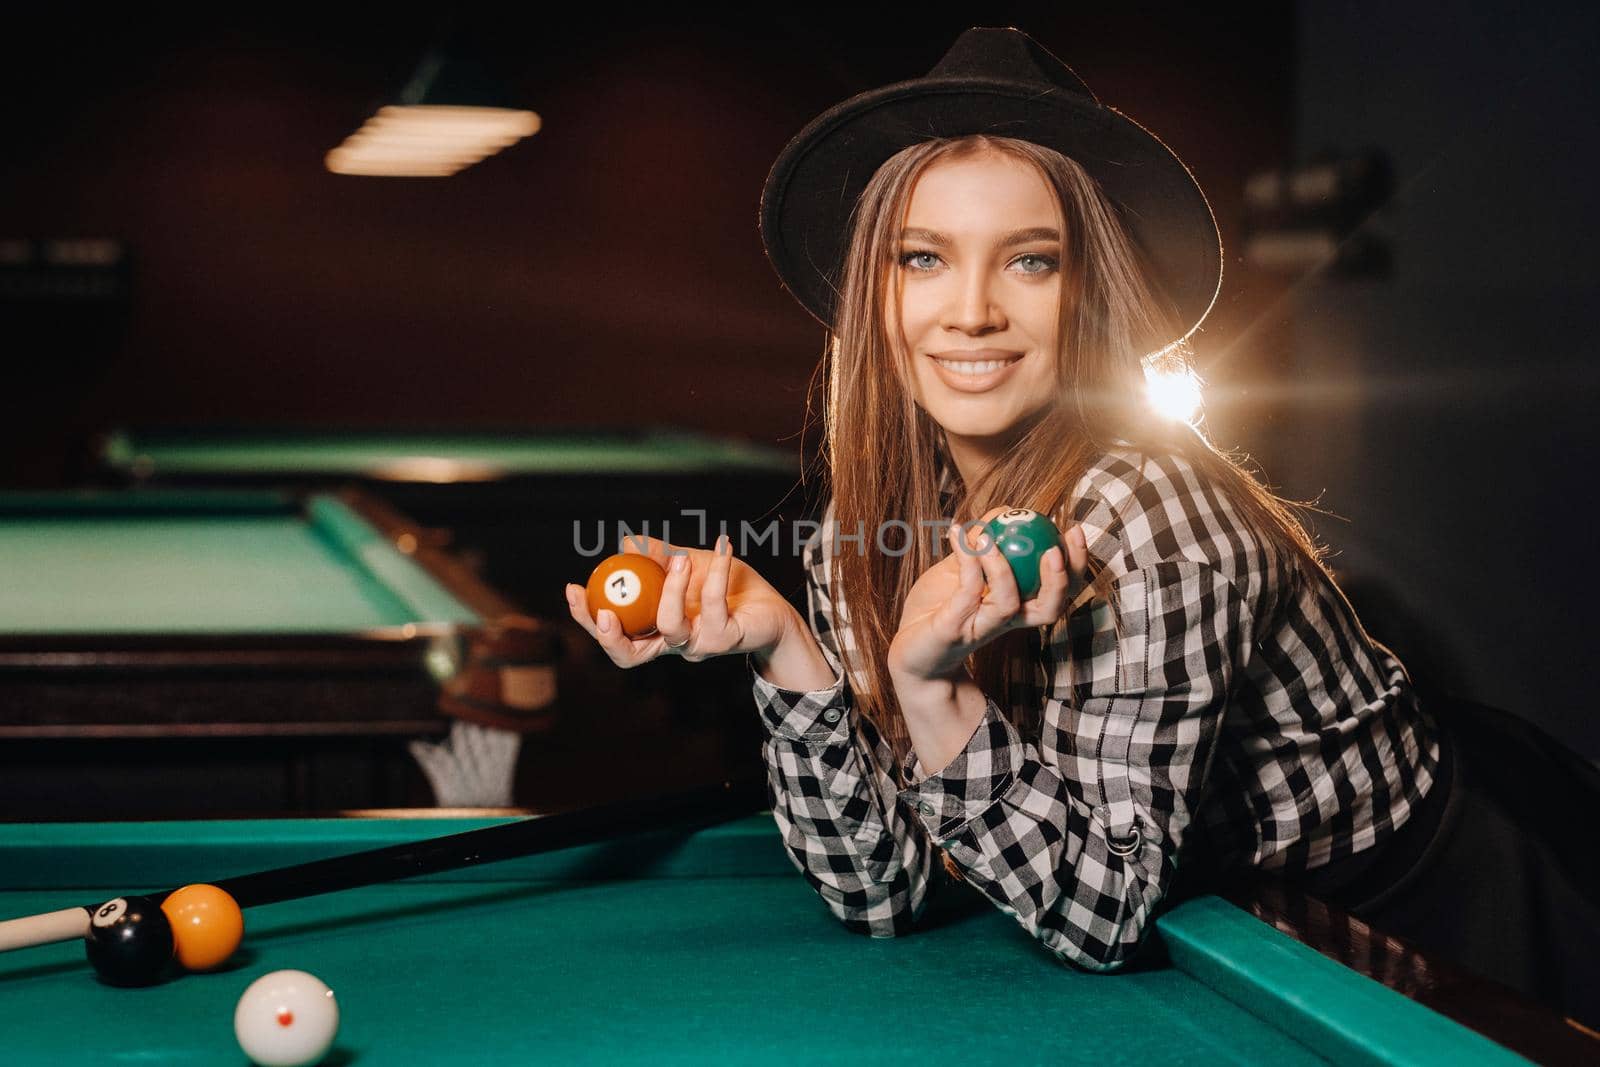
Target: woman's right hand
{"points": [[711, 605]]}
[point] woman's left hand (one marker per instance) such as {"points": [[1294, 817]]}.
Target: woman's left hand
{"points": [[948, 614]]}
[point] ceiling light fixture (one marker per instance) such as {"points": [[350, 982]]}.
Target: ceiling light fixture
{"points": [[450, 115]]}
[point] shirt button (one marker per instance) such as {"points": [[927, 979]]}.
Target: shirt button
{"points": [[925, 808], [831, 715]]}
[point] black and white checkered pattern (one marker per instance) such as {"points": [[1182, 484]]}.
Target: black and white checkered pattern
{"points": [[1242, 706]]}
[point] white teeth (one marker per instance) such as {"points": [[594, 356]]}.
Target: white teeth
{"points": [[973, 368]]}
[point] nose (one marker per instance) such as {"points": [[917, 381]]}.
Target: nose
{"points": [[972, 307]]}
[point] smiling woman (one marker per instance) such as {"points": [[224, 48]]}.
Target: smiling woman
{"points": [[956, 297], [997, 259]]}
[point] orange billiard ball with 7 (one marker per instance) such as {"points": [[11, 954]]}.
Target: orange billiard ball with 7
{"points": [[207, 926], [630, 585]]}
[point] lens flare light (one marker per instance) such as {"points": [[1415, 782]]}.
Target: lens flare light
{"points": [[1172, 389]]}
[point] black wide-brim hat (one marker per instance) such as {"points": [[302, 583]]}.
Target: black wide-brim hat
{"points": [[1000, 82]]}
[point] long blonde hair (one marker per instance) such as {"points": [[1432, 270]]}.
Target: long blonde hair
{"points": [[883, 452]]}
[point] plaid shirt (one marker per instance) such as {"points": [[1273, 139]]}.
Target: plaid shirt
{"points": [[1242, 708]]}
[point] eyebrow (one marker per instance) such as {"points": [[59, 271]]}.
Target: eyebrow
{"points": [[1015, 237]]}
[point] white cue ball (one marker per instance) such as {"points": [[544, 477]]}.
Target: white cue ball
{"points": [[286, 1019]]}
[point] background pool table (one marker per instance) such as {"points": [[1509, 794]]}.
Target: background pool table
{"points": [[672, 947], [526, 507], [528, 510], [241, 629], [189, 653]]}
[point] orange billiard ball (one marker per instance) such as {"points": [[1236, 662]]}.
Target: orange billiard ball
{"points": [[630, 585], [207, 926]]}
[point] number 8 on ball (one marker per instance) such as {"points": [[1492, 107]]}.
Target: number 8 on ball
{"points": [[1023, 536]]}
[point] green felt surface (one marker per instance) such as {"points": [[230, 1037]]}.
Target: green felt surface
{"points": [[671, 948], [429, 457], [190, 563], [725, 970]]}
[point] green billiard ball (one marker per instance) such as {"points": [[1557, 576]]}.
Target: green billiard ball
{"points": [[1023, 537]]}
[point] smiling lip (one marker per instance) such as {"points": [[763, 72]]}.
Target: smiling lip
{"points": [[981, 381]]}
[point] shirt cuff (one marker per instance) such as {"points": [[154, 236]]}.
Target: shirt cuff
{"points": [[818, 717], [979, 776]]}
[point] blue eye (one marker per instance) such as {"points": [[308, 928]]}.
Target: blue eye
{"points": [[907, 257], [1047, 263]]}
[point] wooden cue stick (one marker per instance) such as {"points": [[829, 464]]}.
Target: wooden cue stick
{"points": [[544, 833]]}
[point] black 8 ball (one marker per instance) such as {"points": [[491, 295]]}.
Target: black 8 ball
{"points": [[130, 941]]}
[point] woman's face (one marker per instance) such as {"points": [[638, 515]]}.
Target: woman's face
{"points": [[975, 291]]}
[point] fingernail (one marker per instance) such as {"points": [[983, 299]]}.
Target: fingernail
{"points": [[604, 622], [677, 564]]}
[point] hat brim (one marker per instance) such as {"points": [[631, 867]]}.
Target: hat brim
{"points": [[816, 181]]}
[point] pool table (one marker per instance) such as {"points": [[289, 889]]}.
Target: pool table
{"points": [[528, 507], [241, 617], [531, 510], [674, 946], [245, 613]]}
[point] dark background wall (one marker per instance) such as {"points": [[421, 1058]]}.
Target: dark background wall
{"points": [[609, 269], [1448, 412]]}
